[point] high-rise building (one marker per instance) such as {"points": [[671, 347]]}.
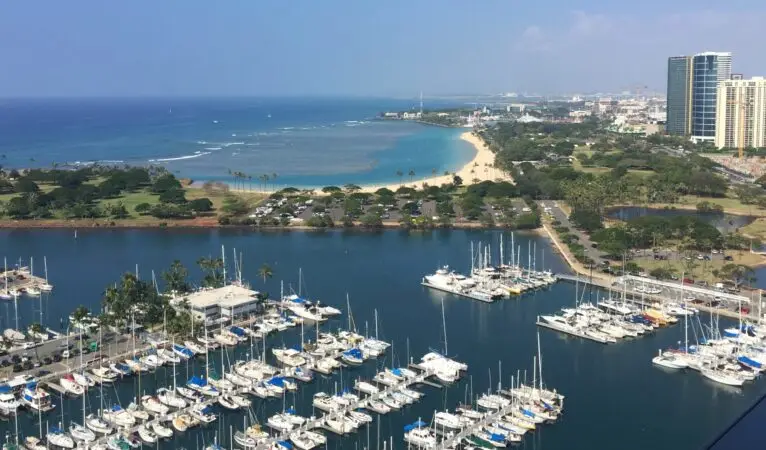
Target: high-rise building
{"points": [[708, 70], [679, 95], [741, 113]]}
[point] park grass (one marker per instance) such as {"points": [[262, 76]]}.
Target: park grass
{"points": [[701, 270], [757, 229]]}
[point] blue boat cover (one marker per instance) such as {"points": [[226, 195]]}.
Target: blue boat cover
{"points": [[527, 412], [547, 405], [197, 380], [291, 411], [397, 372], [298, 300], [749, 362], [116, 408], [277, 381], [207, 410], [32, 385], [182, 349], [354, 353], [55, 430], [286, 444], [4, 389], [414, 425], [237, 330], [497, 437]]}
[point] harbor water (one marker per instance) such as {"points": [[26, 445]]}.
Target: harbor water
{"points": [[615, 398]]}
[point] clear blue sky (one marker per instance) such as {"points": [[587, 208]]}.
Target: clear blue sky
{"points": [[362, 47]]}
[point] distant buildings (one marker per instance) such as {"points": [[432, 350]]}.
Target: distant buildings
{"points": [[692, 93], [741, 113]]}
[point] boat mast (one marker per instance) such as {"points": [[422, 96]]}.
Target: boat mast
{"points": [[45, 264], [513, 249], [376, 324], [223, 263], [444, 327], [501, 249], [300, 280], [539, 361]]}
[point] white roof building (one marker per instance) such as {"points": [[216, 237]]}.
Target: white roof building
{"points": [[229, 301]]}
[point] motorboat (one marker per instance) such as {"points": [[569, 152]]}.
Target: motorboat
{"points": [[239, 400], [302, 374], [170, 398], [222, 384], [161, 430], [168, 356], [251, 437], [36, 398], [238, 380], [58, 438], [401, 398], [153, 405], [33, 291], [103, 375], [280, 423], [359, 417], [378, 406], [723, 377], [306, 440], [391, 402], [194, 347], [9, 404], [414, 395], [152, 360], [83, 380], [338, 424], [34, 443], [146, 434], [180, 423], [365, 387], [201, 385], [353, 357], [182, 352], [136, 365], [138, 412], [117, 443], [324, 402], [120, 369], [70, 385], [448, 420], [226, 338], [204, 413], [189, 394], [289, 357], [669, 361], [420, 436], [227, 402], [119, 417], [81, 433], [98, 424]]}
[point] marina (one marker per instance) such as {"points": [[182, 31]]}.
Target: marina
{"points": [[409, 317]]}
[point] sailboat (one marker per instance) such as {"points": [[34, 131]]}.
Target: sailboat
{"points": [[46, 287], [5, 294]]}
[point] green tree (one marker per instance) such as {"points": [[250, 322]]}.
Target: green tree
{"points": [[201, 205], [213, 269], [143, 208], [80, 313], [265, 272], [411, 173], [175, 278]]}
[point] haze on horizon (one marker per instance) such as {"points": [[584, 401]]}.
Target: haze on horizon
{"points": [[362, 48]]}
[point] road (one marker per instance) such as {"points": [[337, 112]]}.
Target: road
{"points": [[558, 214]]}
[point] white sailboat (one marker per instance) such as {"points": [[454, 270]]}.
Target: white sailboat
{"points": [[46, 287]]}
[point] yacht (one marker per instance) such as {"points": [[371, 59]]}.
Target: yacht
{"points": [[194, 347], [203, 413], [420, 437], [182, 352], [146, 434], [36, 398], [103, 375], [97, 424], [161, 430], [365, 387], [723, 377], [251, 437], [8, 402], [669, 361], [138, 412], [58, 438], [200, 385], [170, 398], [289, 356], [338, 424], [353, 357], [119, 417], [81, 433], [378, 406], [227, 402], [153, 405], [70, 385], [120, 369], [307, 440], [324, 402]]}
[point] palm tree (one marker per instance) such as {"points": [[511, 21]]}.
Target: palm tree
{"points": [[80, 313], [250, 181], [400, 174], [411, 173], [433, 172], [266, 180], [265, 272], [274, 178]]}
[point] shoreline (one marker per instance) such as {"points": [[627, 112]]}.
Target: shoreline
{"points": [[482, 165]]}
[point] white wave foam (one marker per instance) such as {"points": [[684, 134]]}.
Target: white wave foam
{"points": [[179, 158], [229, 144], [202, 142], [213, 148], [287, 128]]}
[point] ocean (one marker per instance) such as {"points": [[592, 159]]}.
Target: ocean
{"points": [[305, 142], [615, 398]]}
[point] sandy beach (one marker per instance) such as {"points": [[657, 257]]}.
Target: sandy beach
{"points": [[480, 168]]}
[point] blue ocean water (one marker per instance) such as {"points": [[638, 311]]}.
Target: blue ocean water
{"points": [[306, 142]]}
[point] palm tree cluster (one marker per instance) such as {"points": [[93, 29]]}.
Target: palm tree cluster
{"points": [[241, 177]]}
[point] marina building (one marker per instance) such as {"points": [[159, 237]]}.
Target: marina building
{"points": [[226, 302], [741, 113]]}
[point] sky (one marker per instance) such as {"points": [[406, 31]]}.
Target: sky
{"points": [[362, 47]]}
